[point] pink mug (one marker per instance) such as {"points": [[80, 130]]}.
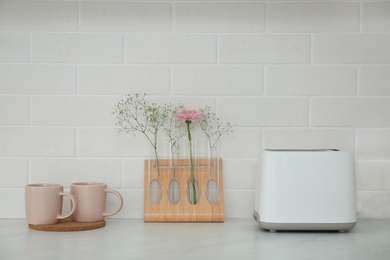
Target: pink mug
{"points": [[91, 201], [44, 203]]}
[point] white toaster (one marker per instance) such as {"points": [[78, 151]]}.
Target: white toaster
{"points": [[306, 190]]}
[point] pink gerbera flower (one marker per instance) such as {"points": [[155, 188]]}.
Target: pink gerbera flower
{"points": [[189, 115]]}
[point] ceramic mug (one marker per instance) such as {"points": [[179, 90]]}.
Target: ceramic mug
{"points": [[44, 203], [91, 201]]}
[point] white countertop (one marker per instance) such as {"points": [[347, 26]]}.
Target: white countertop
{"points": [[234, 239]]}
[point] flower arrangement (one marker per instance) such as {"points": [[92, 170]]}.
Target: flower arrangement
{"points": [[135, 114], [189, 116]]}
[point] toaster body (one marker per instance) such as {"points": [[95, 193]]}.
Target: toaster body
{"points": [[306, 190]]}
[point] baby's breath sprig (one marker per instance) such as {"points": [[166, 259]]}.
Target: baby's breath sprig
{"points": [[135, 114], [130, 114], [173, 130], [213, 127]]}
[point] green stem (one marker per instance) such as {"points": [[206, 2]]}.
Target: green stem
{"points": [[157, 162], [191, 162], [172, 170]]}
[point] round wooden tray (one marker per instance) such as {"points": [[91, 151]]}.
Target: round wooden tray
{"points": [[68, 224]]}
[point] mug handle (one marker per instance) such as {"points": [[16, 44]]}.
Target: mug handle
{"points": [[73, 199], [120, 199]]}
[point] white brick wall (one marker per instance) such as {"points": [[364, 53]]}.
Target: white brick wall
{"points": [[219, 17], [170, 48], [323, 17], [351, 111], [38, 79], [217, 80], [76, 48], [124, 17], [14, 172], [265, 111], [309, 138], [15, 47], [373, 144], [289, 74], [30, 141], [362, 48], [66, 171], [374, 80], [37, 16], [375, 17], [310, 80], [264, 48], [19, 105], [114, 79], [72, 110]]}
